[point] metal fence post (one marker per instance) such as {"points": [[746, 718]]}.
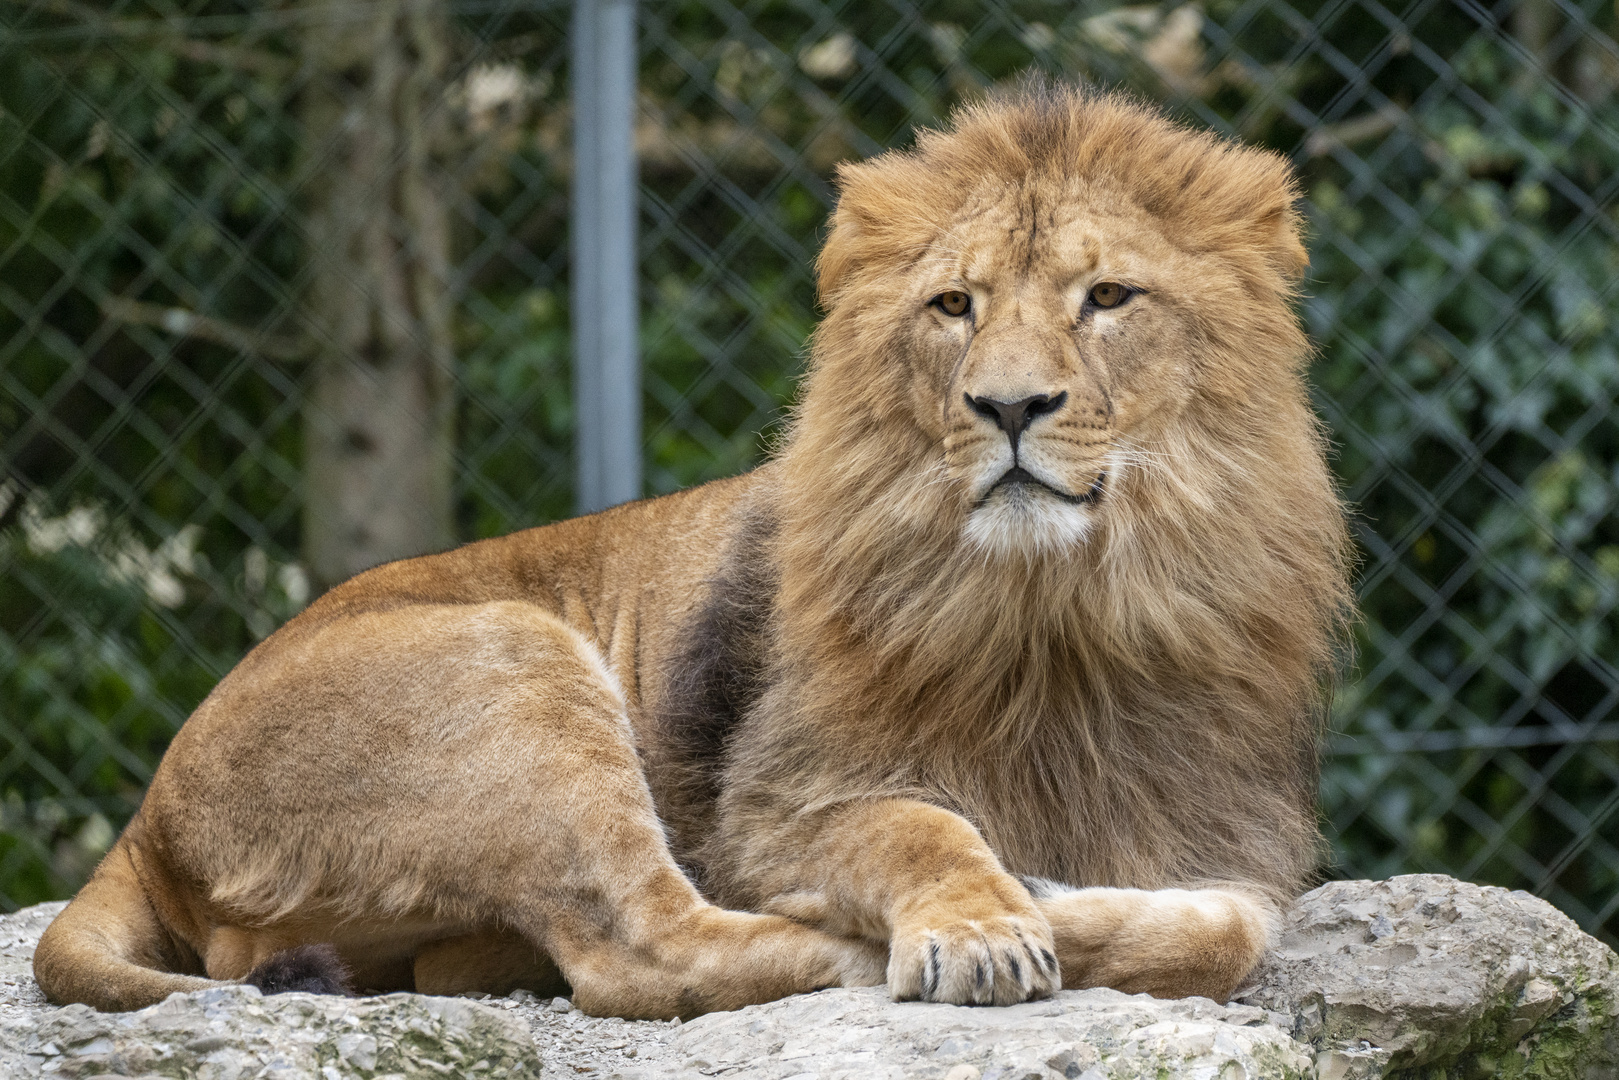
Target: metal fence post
{"points": [[607, 369]]}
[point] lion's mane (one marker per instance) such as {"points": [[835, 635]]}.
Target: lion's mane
{"points": [[1156, 692]]}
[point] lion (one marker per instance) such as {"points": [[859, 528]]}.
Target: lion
{"points": [[1004, 674]]}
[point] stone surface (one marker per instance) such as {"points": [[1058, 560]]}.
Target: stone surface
{"points": [[233, 1032], [1078, 1035], [1417, 977], [1423, 973]]}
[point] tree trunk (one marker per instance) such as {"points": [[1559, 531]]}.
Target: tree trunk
{"points": [[378, 435]]}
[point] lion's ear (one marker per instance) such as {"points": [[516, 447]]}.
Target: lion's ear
{"points": [[1250, 198], [886, 206], [1282, 230], [837, 255], [1276, 216], [849, 230]]}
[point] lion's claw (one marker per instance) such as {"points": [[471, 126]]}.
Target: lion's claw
{"points": [[995, 961]]}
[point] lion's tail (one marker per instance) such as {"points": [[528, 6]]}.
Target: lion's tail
{"points": [[108, 948]]}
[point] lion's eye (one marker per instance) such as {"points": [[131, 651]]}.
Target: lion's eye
{"points": [[953, 303], [1109, 294]]}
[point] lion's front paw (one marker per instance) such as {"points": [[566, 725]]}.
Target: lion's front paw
{"points": [[943, 953]]}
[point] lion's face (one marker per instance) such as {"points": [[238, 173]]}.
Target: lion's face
{"points": [[1046, 338], [1052, 325]]}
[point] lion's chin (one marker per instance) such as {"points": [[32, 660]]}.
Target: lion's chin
{"points": [[1022, 522]]}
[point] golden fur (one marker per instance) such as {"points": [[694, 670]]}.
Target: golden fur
{"points": [[1011, 660]]}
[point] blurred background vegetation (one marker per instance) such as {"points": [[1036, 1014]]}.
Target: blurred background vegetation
{"points": [[208, 206]]}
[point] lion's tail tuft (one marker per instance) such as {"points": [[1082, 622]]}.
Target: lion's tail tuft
{"points": [[308, 969]]}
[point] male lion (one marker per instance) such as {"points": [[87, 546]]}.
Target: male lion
{"points": [[1043, 587]]}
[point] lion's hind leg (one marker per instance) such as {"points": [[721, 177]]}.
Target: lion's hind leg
{"points": [[493, 783], [396, 783], [1165, 942]]}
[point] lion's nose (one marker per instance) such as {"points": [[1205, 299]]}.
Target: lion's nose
{"points": [[1014, 417]]}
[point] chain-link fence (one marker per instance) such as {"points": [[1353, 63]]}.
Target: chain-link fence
{"points": [[270, 268]]}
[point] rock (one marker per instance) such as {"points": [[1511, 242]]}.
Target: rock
{"points": [[1417, 977], [1078, 1035], [1432, 976], [232, 1031]]}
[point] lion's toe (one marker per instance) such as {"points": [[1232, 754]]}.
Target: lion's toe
{"points": [[973, 962]]}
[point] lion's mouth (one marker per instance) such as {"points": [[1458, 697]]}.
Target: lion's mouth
{"points": [[1018, 477]]}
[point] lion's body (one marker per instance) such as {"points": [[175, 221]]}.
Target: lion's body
{"points": [[857, 689]]}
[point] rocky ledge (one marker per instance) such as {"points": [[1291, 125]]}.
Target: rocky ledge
{"points": [[1415, 977]]}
